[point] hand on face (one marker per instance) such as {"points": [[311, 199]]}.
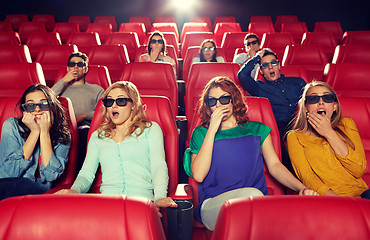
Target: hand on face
{"points": [[156, 50], [71, 75], [217, 116], [320, 123], [30, 121], [45, 122]]}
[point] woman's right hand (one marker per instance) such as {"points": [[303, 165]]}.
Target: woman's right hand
{"points": [[29, 120], [66, 191], [216, 118]]}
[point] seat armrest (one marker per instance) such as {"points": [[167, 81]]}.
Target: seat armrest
{"points": [[182, 192]]}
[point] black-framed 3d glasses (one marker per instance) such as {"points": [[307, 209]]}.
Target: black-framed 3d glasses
{"points": [[210, 102], [31, 107], [328, 98], [154, 41], [108, 102], [79, 64], [273, 63], [208, 48], [252, 42]]}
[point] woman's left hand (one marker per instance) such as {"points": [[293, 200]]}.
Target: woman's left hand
{"points": [[164, 202], [320, 123], [308, 192], [45, 122]]}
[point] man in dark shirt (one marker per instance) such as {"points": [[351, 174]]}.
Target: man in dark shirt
{"points": [[283, 92]]}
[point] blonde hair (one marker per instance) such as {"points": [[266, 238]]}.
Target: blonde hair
{"points": [[300, 122], [138, 117]]}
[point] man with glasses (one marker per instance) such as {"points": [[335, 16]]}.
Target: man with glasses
{"points": [[84, 96], [252, 46], [283, 92]]}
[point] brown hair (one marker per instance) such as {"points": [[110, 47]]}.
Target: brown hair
{"points": [[158, 33]]}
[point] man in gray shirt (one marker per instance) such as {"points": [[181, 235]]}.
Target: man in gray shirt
{"points": [[84, 97]]}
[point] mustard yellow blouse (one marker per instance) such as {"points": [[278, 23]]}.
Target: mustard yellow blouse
{"points": [[321, 169]]}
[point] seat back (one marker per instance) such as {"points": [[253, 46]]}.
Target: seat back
{"points": [[199, 76], [137, 27], [65, 29], [261, 19], [222, 27], [192, 39], [230, 42], [356, 37], [193, 27], [130, 40], [5, 26], [97, 75], [9, 38], [247, 218], [259, 28], [223, 19], [284, 19], [153, 79], [107, 19], [15, 53], [166, 27], [312, 58], [203, 19], [52, 58], [47, 19], [16, 20], [103, 29], [352, 54], [36, 40], [333, 27], [295, 28], [75, 217], [326, 40], [165, 19], [8, 108], [114, 57], [15, 78], [84, 40], [82, 21], [348, 79], [158, 109], [142, 19], [277, 42], [30, 27]]}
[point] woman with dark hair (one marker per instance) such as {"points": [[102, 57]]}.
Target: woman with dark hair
{"points": [[227, 150], [34, 147], [208, 52], [325, 148]]}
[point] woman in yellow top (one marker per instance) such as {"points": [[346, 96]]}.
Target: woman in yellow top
{"points": [[325, 148]]}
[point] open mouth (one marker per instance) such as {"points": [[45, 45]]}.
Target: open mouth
{"points": [[272, 74], [115, 114], [321, 112]]}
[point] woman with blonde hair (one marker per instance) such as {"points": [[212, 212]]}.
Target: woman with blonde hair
{"points": [[325, 148], [129, 149]]}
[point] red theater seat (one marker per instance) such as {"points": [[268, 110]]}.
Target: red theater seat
{"points": [[5, 26], [297, 29], [312, 58], [193, 27], [356, 37], [284, 19], [261, 19], [27, 28], [14, 53], [65, 29], [166, 27], [139, 28], [352, 54], [82, 21], [326, 40], [333, 27], [199, 76], [17, 77], [8, 108], [114, 57], [192, 39], [319, 218], [37, 40], [153, 79], [165, 19], [230, 42], [142, 19], [52, 58], [47, 19], [260, 28], [97, 75], [83, 216], [277, 42], [107, 19], [222, 27], [9, 38], [223, 19], [130, 40], [348, 79], [103, 29], [203, 19], [16, 20], [84, 40]]}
